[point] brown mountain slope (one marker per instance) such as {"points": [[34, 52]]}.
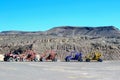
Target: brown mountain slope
{"points": [[104, 31], [70, 31]]}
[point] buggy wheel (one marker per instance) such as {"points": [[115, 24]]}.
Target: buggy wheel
{"points": [[17, 59], [10, 59], [87, 60], [42, 59], [81, 60], [36, 60], [54, 60], [68, 60], [100, 60], [24, 60], [5, 59]]}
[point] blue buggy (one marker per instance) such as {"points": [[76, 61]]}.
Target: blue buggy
{"points": [[74, 55]]}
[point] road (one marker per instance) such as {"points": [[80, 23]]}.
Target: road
{"points": [[107, 70]]}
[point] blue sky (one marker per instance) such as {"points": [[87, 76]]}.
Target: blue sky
{"points": [[40, 15]]}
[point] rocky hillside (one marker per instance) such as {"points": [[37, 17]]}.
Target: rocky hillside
{"points": [[65, 39], [104, 31]]}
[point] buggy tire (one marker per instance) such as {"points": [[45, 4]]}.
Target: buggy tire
{"points": [[87, 60], [54, 60], [10, 59], [42, 59], [68, 60], [100, 60], [80, 60]]}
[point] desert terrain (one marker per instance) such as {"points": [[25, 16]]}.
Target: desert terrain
{"points": [[105, 39], [107, 70]]}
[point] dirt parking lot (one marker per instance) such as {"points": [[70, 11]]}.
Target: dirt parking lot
{"points": [[107, 70]]}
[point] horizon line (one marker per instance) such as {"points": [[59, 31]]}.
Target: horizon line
{"points": [[60, 27]]}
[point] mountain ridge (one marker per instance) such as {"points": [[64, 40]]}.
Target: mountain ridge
{"points": [[104, 31]]}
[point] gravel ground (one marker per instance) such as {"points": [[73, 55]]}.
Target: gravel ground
{"points": [[107, 70]]}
